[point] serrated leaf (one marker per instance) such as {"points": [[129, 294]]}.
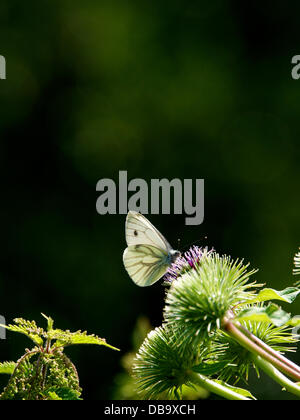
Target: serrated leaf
{"points": [[287, 295], [67, 338], [271, 314], [209, 369], [241, 391], [26, 328], [7, 367]]}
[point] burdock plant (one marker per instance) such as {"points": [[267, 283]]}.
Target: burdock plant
{"points": [[218, 324]]}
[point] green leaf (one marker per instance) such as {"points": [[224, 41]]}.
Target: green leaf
{"points": [[241, 391], [209, 369], [7, 367], [271, 314], [288, 295], [28, 328], [63, 393], [53, 396], [50, 322], [67, 338]]}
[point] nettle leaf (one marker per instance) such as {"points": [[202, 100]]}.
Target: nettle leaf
{"points": [[50, 322], [209, 369], [28, 328], [240, 391], [271, 314], [67, 338], [287, 295], [7, 367]]}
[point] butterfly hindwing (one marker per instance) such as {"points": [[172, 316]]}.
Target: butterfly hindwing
{"points": [[145, 264]]}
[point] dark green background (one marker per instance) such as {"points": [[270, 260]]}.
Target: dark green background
{"points": [[169, 89]]}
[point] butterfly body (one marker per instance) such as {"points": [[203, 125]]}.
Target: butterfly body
{"points": [[148, 254], [173, 255]]}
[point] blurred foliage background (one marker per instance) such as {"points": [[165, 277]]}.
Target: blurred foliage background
{"points": [[169, 89]]}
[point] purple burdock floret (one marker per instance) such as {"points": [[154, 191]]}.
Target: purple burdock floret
{"points": [[187, 261]]}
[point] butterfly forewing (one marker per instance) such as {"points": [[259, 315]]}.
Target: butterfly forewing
{"points": [[140, 231]]}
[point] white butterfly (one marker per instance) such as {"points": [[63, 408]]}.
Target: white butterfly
{"points": [[149, 254]]}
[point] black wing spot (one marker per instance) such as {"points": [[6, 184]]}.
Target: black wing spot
{"points": [[135, 233]]}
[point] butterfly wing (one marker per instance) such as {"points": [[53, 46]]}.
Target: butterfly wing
{"points": [[140, 231], [145, 264]]}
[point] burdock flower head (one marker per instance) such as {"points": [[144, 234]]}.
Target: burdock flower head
{"points": [[205, 287], [160, 367], [163, 370], [186, 262]]}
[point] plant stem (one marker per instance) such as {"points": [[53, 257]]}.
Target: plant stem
{"points": [[253, 348], [269, 349], [216, 388], [277, 376]]}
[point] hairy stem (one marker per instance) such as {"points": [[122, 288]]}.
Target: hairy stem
{"points": [[255, 349], [216, 388], [269, 349], [277, 376]]}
